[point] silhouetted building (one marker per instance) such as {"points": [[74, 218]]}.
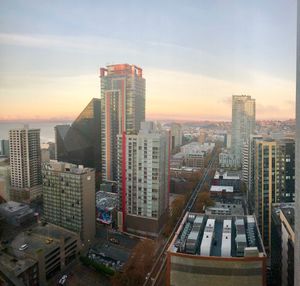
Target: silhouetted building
{"points": [[80, 143]]}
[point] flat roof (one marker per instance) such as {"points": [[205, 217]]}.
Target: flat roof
{"points": [[217, 236], [11, 206], [227, 189], [36, 239]]}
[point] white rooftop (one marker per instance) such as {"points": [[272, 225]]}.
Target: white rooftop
{"points": [[227, 189]]}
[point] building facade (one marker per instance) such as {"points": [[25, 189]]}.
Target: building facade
{"points": [[266, 186], [69, 198], [144, 175], [25, 162], [283, 240], [286, 169], [243, 122], [4, 146], [176, 135], [122, 110]]}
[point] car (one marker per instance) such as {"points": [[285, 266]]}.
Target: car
{"points": [[23, 247], [63, 280], [114, 240]]}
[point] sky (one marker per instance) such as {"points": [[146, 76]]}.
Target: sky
{"points": [[195, 55]]}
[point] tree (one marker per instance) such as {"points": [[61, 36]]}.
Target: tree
{"points": [[203, 200], [138, 265]]}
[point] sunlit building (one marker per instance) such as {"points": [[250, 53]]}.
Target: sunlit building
{"points": [[143, 180], [243, 122], [25, 162]]}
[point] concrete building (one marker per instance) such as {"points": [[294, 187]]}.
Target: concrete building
{"points": [[176, 136], [25, 162], [16, 213], [228, 160], [243, 123], [248, 170], [122, 110], [18, 272], [194, 160], [143, 180], [52, 247], [228, 178], [216, 250], [4, 147], [283, 241], [69, 198], [5, 181]]}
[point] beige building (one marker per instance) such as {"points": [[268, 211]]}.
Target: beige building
{"points": [[69, 198], [265, 186], [25, 162], [216, 250]]}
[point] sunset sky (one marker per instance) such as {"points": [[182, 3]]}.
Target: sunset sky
{"points": [[195, 55]]}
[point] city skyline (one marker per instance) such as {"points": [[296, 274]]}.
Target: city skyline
{"points": [[53, 53]]}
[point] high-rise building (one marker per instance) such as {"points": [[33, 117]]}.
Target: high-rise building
{"points": [[143, 180], [80, 143], [243, 122], [248, 159], [25, 161], [202, 136], [297, 170], [176, 135], [122, 110], [266, 186], [286, 169], [69, 197]]}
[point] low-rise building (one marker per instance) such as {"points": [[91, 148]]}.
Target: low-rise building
{"points": [[216, 250], [16, 213], [18, 271], [52, 247]]}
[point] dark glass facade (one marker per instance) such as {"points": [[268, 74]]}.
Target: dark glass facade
{"points": [[80, 143]]}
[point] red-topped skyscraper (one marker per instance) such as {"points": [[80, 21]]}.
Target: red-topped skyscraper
{"points": [[122, 110]]}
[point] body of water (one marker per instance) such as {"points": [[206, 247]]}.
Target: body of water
{"points": [[47, 129]]}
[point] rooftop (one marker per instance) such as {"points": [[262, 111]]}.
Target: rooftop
{"points": [[288, 210], [11, 206], [227, 175], [64, 167], [227, 189], [218, 236], [44, 237]]}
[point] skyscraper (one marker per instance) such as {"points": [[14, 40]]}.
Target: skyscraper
{"points": [[176, 135], [243, 122], [25, 160], [122, 110], [286, 169], [69, 197], [143, 168], [297, 170], [266, 186], [80, 143]]}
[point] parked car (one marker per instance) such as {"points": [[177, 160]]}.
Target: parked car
{"points": [[63, 280], [114, 240], [23, 247]]}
